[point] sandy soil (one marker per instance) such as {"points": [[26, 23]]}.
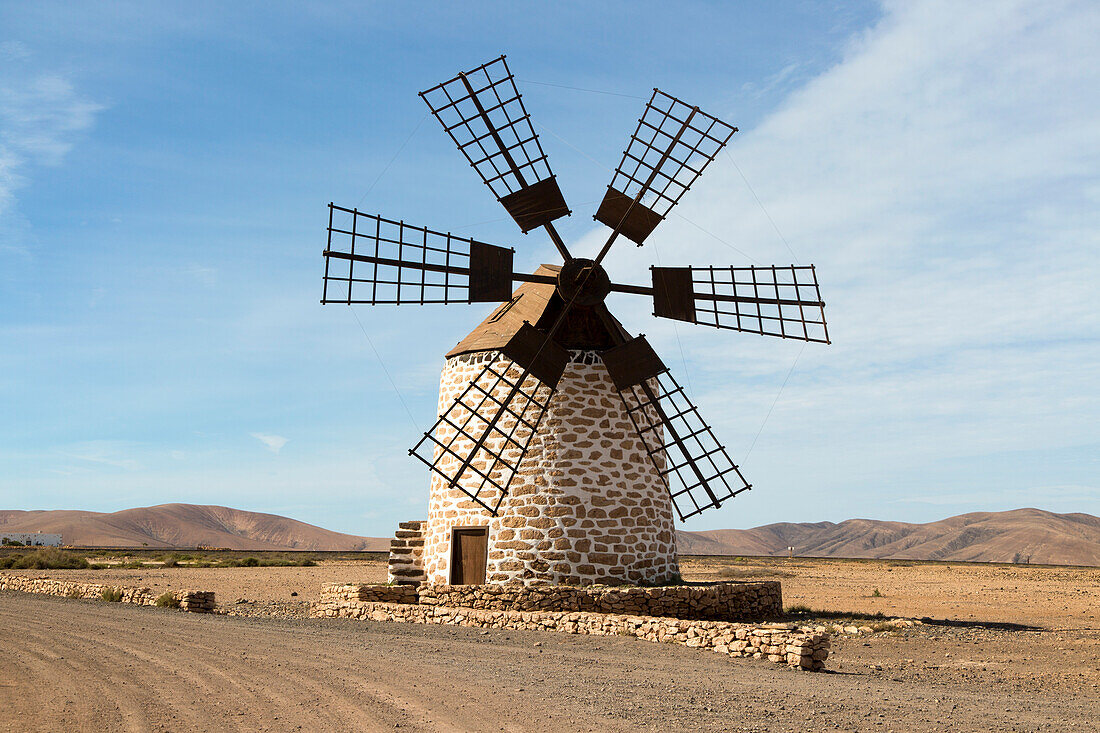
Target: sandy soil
{"points": [[86, 665], [74, 665], [1045, 596]]}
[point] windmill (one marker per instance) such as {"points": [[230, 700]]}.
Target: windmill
{"points": [[563, 444]]}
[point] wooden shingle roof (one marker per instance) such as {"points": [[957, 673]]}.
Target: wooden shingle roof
{"points": [[539, 304]]}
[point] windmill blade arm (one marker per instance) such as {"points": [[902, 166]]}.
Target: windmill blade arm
{"points": [[671, 147], [695, 467], [375, 260], [771, 301], [482, 111], [479, 441]]}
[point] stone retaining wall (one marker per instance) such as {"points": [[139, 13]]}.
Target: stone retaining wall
{"points": [[802, 647], [711, 602], [195, 601], [406, 562], [368, 593]]}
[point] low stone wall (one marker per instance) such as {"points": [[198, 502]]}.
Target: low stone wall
{"points": [[802, 647], [336, 592], [406, 561], [711, 602], [195, 601]]}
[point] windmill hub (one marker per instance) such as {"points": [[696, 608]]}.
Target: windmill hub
{"points": [[583, 282]]}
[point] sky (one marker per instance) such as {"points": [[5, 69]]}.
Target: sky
{"points": [[165, 170]]}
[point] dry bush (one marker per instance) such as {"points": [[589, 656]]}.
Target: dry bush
{"points": [[45, 558], [167, 600]]}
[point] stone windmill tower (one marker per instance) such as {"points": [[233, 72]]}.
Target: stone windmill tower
{"points": [[564, 448]]}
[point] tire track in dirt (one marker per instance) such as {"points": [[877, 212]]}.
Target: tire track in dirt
{"points": [[131, 680], [86, 665]]}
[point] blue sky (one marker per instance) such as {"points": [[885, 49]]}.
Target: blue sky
{"points": [[165, 170]]}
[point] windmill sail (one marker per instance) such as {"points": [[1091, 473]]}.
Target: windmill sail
{"points": [[479, 441], [484, 114], [376, 260], [773, 301], [692, 463], [672, 145]]}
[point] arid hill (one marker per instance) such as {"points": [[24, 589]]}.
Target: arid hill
{"points": [[1016, 536], [185, 525], [1020, 535]]}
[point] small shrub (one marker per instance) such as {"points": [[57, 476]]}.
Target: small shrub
{"points": [[167, 600], [97, 566], [74, 593], [876, 593], [49, 558], [12, 543], [171, 562], [308, 563], [111, 595], [250, 562], [799, 609]]}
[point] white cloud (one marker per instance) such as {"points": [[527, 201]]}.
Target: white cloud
{"points": [[41, 118], [274, 443], [944, 178], [1016, 497], [114, 454]]}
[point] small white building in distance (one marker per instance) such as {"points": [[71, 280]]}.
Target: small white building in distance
{"points": [[31, 539]]}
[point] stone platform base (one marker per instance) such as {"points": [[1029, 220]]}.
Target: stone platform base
{"points": [[781, 643], [705, 616], [757, 601]]}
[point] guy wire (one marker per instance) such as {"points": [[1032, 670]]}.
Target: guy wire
{"points": [[581, 89], [377, 355], [385, 370], [774, 402], [761, 203]]}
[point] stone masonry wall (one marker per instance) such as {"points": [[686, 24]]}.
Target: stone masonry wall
{"points": [[714, 602], [337, 592], [802, 647], [406, 561], [195, 601], [585, 507]]}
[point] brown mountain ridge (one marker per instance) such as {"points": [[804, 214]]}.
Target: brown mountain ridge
{"points": [[185, 525], [1021, 535]]}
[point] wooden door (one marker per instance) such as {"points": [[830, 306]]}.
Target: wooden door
{"points": [[469, 551]]}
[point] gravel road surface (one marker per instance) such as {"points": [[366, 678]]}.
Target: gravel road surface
{"points": [[88, 665]]}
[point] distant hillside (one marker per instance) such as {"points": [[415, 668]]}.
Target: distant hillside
{"points": [[1014, 536], [185, 525]]}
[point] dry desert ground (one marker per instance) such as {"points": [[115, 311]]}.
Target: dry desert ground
{"points": [[1005, 647]]}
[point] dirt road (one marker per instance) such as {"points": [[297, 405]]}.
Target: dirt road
{"points": [[89, 665]]}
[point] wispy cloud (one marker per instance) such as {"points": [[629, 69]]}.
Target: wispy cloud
{"points": [[41, 118], [944, 176], [274, 443], [104, 453], [1015, 497]]}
